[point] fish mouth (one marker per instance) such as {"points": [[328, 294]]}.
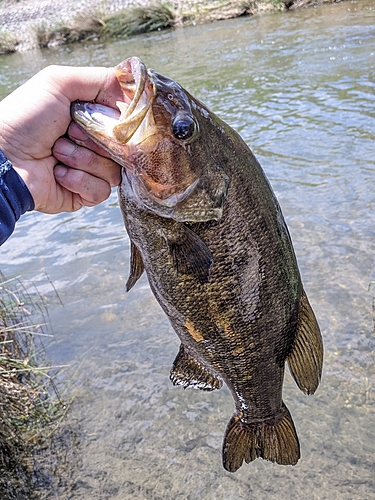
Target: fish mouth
{"points": [[131, 136], [139, 93], [107, 126]]}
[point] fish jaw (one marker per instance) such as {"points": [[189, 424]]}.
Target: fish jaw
{"points": [[130, 135], [112, 128], [139, 94], [97, 120], [147, 136]]}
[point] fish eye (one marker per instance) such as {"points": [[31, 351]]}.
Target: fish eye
{"points": [[183, 127]]}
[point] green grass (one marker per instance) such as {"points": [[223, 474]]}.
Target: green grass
{"points": [[136, 20]]}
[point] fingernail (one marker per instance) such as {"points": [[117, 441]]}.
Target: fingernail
{"points": [[60, 171]]}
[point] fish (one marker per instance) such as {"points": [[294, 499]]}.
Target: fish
{"points": [[206, 227]]}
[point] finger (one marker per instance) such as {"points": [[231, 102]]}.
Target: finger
{"points": [[81, 158], [87, 84], [90, 189], [79, 136]]}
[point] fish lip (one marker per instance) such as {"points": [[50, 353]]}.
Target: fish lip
{"points": [[132, 72], [93, 116], [138, 91]]}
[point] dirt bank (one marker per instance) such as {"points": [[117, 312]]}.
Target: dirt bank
{"points": [[22, 20]]}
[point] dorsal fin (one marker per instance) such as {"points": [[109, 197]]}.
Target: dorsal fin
{"points": [[306, 358], [188, 372], [136, 267]]}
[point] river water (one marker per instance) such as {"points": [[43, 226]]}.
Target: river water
{"points": [[300, 88]]}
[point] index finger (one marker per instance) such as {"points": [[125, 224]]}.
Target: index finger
{"points": [[84, 83]]}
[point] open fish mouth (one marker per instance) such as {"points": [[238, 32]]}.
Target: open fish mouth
{"points": [[139, 93], [108, 126], [95, 116], [133, 139], [130, 131]]}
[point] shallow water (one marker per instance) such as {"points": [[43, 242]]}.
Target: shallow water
{"points": [[299, 87]]}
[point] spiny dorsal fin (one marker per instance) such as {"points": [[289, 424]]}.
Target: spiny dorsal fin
{"points": [[136, 267], [190, 254], [274, 439], [306, 358], [188, 372]]}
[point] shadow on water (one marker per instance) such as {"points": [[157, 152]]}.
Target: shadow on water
{"points": [[299, 87]]}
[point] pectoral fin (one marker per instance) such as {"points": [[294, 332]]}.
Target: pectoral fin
{"points": [[191, 256], [136, 267], [306, 358], [188, 372]]}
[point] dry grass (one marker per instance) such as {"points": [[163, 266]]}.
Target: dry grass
{"points": [[30, 407], [143, 19], [124, 23], [83, 28], [8, 42]]}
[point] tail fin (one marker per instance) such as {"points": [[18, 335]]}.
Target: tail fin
{"points": [[275, 440]]}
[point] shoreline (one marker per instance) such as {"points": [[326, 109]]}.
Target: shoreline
{"points": [[31, 24]]}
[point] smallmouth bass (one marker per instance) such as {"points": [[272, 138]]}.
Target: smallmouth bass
{"points": [[206, 227]]}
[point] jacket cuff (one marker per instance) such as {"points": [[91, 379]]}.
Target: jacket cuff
{"points": [[15, 198]]}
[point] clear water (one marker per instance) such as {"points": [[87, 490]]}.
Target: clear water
{"points": [[300, 88]]}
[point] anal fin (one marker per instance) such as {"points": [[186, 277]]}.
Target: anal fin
{"points": [[306, 358], [136, 267], [273, 439], [188, 372]]}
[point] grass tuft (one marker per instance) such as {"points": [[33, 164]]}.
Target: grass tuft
{"points": [[127, 22], [137, 20], [81, 29], [8, 42], [30, 407]]}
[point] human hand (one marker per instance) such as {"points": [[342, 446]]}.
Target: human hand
{"points": [[63, 169]]}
